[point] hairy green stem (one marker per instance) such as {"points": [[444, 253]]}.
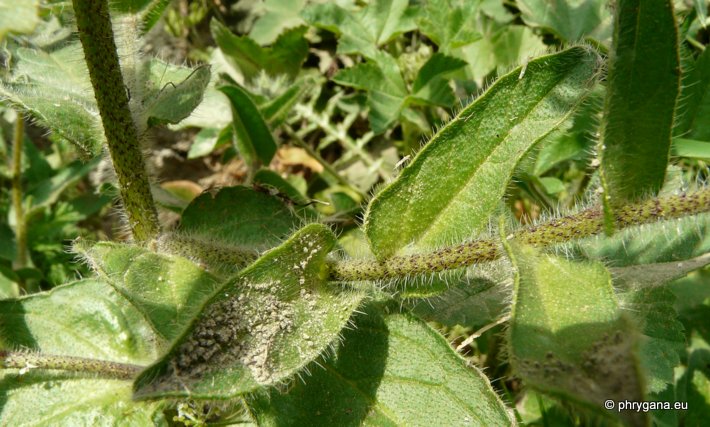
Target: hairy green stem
{"points": [[96, 35], [20, 222], [26, 361], [584, 224]]}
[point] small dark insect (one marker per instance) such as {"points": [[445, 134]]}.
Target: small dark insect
{"points": [[273, 191]]}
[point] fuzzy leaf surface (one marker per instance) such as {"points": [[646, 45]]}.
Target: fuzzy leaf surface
{"points": [[46, 398], [567, 336], [254, 139], [18, 16], [477, 299], [449, 190], [167, 290], [176, 101], [54, 88], [239, 216], [83, 319], [664, 341], [642, 87], [260, 328], [663, 242], [391, 370]]}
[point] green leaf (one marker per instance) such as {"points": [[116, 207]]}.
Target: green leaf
{"points": [[277, 110], [167, 290], [567, 336], [429, 84], [478, 299], [278, 16], [658, 273], [501, 47], [239, 216], [260, 328], [447, 193], [449, 24], [174, 102], [664, 341], [691, 148], [55, 89], [570, 20], [393, 370], [654, 243], [148, 11], [209, 139], [693, 108], [576, 142], [47, 192], [284, 57], [642, 87], [363, 31], [382, 79], [18, 16], [253, 137], [84, 319], [61, 399]]}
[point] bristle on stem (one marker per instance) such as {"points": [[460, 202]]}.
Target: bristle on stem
{"points": [[583, 224]]}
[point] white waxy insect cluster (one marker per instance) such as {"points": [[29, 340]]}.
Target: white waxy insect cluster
{"points": [[243, 328], [238, 330]]}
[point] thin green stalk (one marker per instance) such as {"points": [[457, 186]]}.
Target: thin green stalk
{"points": [[329, 169], [20, 222], [26, 361], [96, 35], [584, 224]]}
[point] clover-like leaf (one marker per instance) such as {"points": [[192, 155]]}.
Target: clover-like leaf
{"points": [[363, 31], [570, 20], [285, 56], [450, 24], [391, 369], [258, 329]]}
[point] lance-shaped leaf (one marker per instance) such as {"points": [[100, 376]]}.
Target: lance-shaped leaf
{"points": [[83, 319], [456, 181], [167, 290], [254, 139], [260, 328], [175, 101], [643, 84], [393, 370], [567, 336]]}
